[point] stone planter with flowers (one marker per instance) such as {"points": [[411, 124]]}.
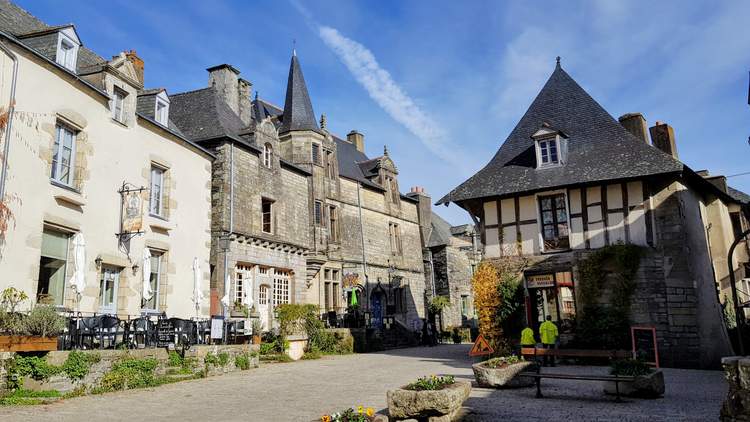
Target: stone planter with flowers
{"points": [[429, 398], [502, 372]]}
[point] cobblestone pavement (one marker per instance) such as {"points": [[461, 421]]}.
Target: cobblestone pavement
{"points": [[302, 391]]}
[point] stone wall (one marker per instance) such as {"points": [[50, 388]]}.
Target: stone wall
{"points": [[736, 406]]}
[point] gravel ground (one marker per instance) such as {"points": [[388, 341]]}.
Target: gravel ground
{"points": [[302, 391]]}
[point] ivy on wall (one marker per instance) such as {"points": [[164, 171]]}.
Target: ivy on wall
{"points": [[610, 270]]}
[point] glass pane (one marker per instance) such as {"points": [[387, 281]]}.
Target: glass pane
{"points": [[562, 229], [51, 285], [546, 217], [54, 244], [549, 232], [560, 202], [561, 215]]}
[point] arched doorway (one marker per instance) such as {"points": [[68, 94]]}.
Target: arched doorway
{"points": [[377, 306]]}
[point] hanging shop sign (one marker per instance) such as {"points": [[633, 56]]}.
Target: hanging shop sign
{"points": [[131, 209], [537, 281], [350, 281]]}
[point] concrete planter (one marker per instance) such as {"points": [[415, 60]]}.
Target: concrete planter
{"points": [[649, 386], [433, 405], [503, 376]]}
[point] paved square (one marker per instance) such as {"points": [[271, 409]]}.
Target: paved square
{"points": [[302, 391]]}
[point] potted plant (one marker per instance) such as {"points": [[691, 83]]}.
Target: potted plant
{"points": [[648, 382], [240, 310], [502, 372], [428, 397], [257, 328], [35, 332], [360, 414]]}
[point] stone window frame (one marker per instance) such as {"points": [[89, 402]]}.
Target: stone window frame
{"points": [[319, 213], [57, 147], [270, 214], [315, 155], [334, 230], [268, 155], [330, 164], [69, 237], [163, 197], [394, 233]]}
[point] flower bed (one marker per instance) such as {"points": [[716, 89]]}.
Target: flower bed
{"points": [[502, 372], [360, 414], [428, 397]]}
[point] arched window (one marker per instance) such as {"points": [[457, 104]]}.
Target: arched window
{"points": [[267, 155]]}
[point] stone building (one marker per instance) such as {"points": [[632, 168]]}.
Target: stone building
{"points": [[82, 130], [299, 214], [451, 254], [570, 179]]}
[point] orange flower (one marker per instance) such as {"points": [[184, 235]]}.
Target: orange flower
{"points": [[325, 418], [370, 411]]}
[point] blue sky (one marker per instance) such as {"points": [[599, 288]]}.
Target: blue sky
{"points": [[442, 83]]}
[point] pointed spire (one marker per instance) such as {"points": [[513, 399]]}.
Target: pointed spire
{"points": [[298, 111], [557, 66]]}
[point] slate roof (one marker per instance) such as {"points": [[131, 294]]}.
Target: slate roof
{"points": [[348, 159], [263, 109], [738, 195], [298, 111], [440, 235], [202, 114], [599, 148]]}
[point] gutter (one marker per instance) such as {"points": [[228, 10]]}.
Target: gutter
{"points": [[8, 126]]}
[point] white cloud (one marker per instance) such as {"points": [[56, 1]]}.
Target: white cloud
{"points": [[388, 94]]}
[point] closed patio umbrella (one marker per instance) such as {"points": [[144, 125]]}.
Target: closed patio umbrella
{"points": [[146, 266], [248, 292], [78, 281], [197, 289], [225, 298]]}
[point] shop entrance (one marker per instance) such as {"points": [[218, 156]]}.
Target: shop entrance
{"points": [[551, 295]]}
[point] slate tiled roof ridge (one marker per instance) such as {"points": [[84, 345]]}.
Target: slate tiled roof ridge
{"points": [[599, 148]]}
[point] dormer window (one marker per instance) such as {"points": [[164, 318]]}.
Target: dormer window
{"points": [[161, 113], [67, 48], [118, 105], [550, 147]]}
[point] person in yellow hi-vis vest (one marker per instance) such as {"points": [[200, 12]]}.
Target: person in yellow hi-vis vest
{"points": [[548, 334], [527, 337]]}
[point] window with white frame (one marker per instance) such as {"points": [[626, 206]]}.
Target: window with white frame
{"points": [[267, 155], [243, 273], [162, 112], [154, 280], [554, 219], [67, 49], [263, 295], [156, 200], [108, 287], [548, 152], [118, 105], [63, 155], [280, 286], [53, 266]]}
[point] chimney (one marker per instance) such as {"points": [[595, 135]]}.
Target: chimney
{"points": [[137, 64], [662, 136], [424, 212], [245, 106], [357, 139], [635, 123], [225, 80]]}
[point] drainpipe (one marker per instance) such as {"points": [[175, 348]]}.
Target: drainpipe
{"points": [[11, 107]]}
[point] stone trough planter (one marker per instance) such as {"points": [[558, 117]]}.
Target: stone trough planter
{"points": [[502, 376], [430, 405], [649, 386]]}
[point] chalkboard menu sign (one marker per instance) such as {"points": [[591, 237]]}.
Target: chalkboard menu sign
{"points": [[644, 344], [165, 333]]}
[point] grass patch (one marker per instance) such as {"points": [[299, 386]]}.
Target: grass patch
{"points": [[279, 357], [312, 355], [21, 397]]}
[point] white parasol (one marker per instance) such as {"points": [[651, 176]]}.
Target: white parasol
{"points": [[248, 292], [227, 284], [146, 268], [197, 289], [78, 281]]}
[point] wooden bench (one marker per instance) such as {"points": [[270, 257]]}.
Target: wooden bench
{"points": [[575, 353]]}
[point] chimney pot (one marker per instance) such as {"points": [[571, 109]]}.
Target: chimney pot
{"points": [[137, 64], [357, 139], [662, 136], [225, 80], [635, 123]]}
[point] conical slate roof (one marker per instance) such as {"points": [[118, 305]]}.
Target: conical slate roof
{"points": [[298, 111], [599, 148]]}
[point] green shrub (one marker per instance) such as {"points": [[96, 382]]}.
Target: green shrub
{"points": [[211, 359], [280, 357], [431, 383], [630, 368], [499, 362], [243, 361], [223, 358], [175, 359], [312, 355], [44, 321], [34, 366], [129, 373], [78, 364]]}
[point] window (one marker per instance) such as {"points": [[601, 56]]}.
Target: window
{"points": [[242, 274], [267, 215], [63, 155], [52, 267], [108, 285], [554, 217], [318, 213], [156, 200], [267, 155], [154, 280], [280, 287], [548, 153], [330, 165], [465, 305], [263, 295], [118, 105], [67, 51], [316, 154], [395, 196], [736, 223], [395, 236], [333, 223], [335, 288], [162, 112]]}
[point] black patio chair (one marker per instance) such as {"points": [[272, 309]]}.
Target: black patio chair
{"points": [[140, 333], [110, 327], [184, 330], [87, 327]]}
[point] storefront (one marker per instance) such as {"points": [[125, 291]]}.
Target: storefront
{"points": [[551, 294]]}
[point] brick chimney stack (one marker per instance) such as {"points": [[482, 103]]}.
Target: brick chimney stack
{"points": [[635, 123], [357, 139], [137, 64], [662, 136]]}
